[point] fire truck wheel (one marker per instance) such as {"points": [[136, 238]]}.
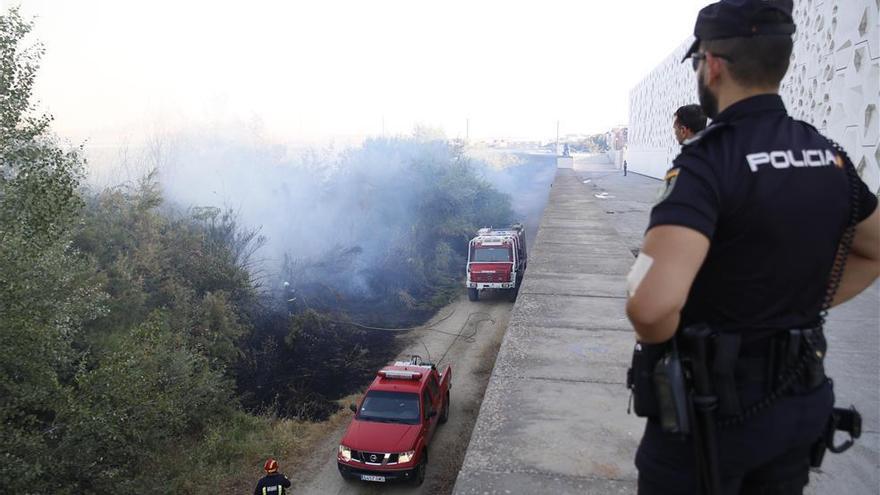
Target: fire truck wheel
{"points": [[420, 471], [473, 294], [511, 295], [444, 413]]}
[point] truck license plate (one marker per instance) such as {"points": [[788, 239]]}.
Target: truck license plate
{"points": [[368, 477]]}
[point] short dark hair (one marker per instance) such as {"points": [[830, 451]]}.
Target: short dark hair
{"points": [[692, 117], [756, 61]]}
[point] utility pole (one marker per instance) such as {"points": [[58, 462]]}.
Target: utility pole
{"points": [[467, 130], [557, 137]]}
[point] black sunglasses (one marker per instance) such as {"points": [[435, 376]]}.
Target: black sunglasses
{"points": [[697, 56]]}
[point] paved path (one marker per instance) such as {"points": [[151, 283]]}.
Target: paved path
{"points": [[554, 416]]}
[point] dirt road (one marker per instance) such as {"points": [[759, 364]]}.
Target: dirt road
{"points": [[464, 334]]}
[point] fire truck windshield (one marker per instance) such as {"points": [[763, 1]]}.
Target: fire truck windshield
{"points": [[390, 407], [491, 254]]}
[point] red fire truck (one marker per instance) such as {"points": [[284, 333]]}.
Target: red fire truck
{"points": [[496, 260]]}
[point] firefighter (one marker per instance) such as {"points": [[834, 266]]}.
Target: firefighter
{"points": [[274, 483]]}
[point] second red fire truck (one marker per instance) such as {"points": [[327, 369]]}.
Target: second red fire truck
{"points": [[496, 260]]}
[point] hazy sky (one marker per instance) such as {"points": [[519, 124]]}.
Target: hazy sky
{"points": [[311, 70]]}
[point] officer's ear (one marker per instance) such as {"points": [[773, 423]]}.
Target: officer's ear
{"points": [[714, 67]]}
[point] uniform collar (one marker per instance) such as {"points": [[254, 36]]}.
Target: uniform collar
{"points": [[752, 105]]}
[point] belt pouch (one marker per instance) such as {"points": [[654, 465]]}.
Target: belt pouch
{"points": [[640, 377], [672, 394]]}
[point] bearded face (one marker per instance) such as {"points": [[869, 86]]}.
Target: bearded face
{"points": [[708, 101]]}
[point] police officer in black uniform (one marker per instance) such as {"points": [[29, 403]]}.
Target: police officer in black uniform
{"points": [[743, 239]]}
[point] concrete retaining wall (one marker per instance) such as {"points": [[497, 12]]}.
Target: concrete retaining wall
{"points": [[593, 158], [564, 162]]}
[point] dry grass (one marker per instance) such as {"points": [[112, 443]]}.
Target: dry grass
{"points": [[296, 444]]}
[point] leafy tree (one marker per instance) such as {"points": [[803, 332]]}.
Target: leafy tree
{"points": [[148, 392], [117, 320], [46, 289], [153, 257]]}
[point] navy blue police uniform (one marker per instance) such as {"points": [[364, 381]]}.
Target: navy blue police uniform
{"points": [[272, 484], [773, 197]]}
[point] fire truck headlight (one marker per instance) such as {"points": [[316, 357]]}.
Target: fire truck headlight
{"points": [[344, 453], [406, 456]]}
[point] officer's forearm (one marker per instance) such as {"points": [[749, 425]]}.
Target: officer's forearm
{"points": [[859, 274], [654, 332]]}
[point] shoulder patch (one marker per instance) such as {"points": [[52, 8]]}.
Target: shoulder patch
{"points": [[668, 184], [711, 129]]}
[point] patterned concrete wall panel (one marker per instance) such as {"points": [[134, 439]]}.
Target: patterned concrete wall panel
{"points": [[833, 82], [872, 31]]}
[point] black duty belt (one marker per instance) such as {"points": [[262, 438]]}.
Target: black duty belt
{"points": [[786, 361]]}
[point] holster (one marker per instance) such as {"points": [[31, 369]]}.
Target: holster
{"points": [[672, 392], [640, 378], [657, 383]]}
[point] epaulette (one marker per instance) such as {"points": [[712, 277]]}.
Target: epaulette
{"points": [[711, 129]]}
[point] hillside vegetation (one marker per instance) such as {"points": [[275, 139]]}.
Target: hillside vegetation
{"points": [[139, 352]]}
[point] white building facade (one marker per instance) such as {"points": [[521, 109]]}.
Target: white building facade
{"points": [[833, 82]]}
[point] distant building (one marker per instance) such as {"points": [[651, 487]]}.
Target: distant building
{"points": [[616, 138]]}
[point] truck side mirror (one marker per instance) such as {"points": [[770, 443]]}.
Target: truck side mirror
{"points": [[353, 408]]}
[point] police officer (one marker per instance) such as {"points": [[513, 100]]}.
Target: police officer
{"points": [[687, 121], [274, 483], [743, 239]]}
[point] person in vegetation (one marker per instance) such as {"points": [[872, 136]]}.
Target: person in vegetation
{"points": [[274, 483]]}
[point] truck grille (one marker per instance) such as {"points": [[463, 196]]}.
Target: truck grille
{"points": [[490, 277], [362, 456]]}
